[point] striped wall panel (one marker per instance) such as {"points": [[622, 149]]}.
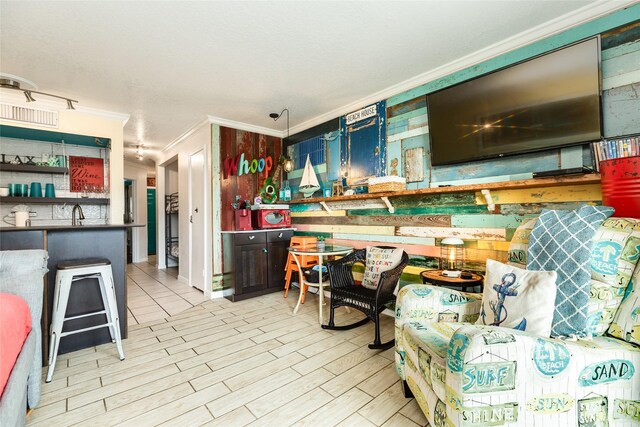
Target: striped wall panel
{"points": [[420, 222]]}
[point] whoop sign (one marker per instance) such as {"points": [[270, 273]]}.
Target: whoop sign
{"points": [[240, 166]]}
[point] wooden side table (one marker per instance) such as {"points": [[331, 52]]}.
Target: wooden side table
{"points": [[435, 277]]}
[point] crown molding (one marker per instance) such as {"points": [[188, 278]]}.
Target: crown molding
{"points": [[581, 16], [214, 120], [193, 129], [245, 126]]}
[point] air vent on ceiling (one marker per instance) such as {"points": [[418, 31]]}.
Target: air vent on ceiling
{"points": [[29, 115]]}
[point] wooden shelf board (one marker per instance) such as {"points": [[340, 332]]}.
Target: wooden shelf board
{"points": [[54, 200], [32, 168], [524, 183]]}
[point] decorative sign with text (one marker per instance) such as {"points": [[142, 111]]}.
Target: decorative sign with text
{"points": [[362, 114], [85, 172], [240, 165]]}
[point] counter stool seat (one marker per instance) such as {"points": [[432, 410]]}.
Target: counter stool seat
{"points": [[68, 273]]}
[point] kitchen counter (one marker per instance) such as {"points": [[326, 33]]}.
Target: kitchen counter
{"points": [[64, 243], [68, 227]]}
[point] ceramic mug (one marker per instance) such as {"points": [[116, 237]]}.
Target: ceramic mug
{"points": [[19, 190], [36, 189], [4, 191], [14, 189], [49, 191]]}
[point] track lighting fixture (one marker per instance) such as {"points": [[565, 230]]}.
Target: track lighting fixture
{"points": [[6, 83], [27, 95]]}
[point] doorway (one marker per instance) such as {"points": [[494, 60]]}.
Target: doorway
{"points": [[151, 221], [128, 216], [197, 235]]}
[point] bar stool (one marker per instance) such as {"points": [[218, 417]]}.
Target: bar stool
{"points": [[69, 272], [305, 261]]}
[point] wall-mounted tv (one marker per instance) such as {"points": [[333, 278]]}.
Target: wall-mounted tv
{"points": [[550, 101]]}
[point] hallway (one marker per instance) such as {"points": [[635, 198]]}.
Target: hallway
{"points": [[154, 294]]}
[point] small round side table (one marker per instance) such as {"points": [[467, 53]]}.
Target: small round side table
{"points": [[435, 277]]}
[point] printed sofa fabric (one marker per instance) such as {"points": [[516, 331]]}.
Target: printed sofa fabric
{"points": [[626, 324], [379, 260], [613, 258], [495, 376], [518, 299], [562, 241], [615, 254], [426, 303]]}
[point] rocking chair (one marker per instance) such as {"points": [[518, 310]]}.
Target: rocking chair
{"points": [[344, 292]]}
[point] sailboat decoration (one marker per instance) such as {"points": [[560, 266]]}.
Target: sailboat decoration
{"points": [[309, 183]]}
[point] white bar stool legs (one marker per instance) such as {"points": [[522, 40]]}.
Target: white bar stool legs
{"points": [[67, 274]]}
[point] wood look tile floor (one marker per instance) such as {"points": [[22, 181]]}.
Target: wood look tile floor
{"points": [[218, 363]]}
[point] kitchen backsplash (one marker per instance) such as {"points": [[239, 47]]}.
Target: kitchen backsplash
{"points": [[49, 214]]}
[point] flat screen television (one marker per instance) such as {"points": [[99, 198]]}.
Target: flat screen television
{"points": [[550, 101]]}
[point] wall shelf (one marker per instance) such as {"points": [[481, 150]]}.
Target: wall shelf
{"points": [[54, 200], [32, 168], [524, 183]]}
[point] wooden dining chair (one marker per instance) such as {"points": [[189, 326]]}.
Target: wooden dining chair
{"points": [[306, 261]]}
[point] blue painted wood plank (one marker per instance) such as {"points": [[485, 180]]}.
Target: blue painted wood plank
{"points": [[488, 220], [621, 110], [523, 163], [430, 241], [621, 50], [333, 158], [620, 65], [406, 116], [571, 157], [394, 155]]}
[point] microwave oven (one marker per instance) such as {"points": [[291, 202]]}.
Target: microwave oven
{"points": [[270, 216]]}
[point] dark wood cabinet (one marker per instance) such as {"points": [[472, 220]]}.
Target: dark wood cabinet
{"points": [[254, 262], [250, 276], [277, 244]]}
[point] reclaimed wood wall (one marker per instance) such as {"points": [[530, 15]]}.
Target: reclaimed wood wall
{"points": [[420, 222], [254, 146]]}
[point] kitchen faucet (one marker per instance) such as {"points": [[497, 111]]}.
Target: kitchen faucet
{"points": [[77, 208]]}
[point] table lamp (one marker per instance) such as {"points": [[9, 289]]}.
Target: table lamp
{"points": [[451, 256]]}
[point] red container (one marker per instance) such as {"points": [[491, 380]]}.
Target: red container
{"points": [[243, 219], [621, 185]]}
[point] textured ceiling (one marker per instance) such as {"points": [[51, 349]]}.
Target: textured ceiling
{"points": [[171, 64]]}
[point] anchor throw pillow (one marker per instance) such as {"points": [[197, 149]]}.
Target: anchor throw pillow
{"points": [[562, 241], [518, 299], [379, 260]]}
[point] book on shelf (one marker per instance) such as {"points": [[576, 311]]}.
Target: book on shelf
{"points": [[615, 148]]}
